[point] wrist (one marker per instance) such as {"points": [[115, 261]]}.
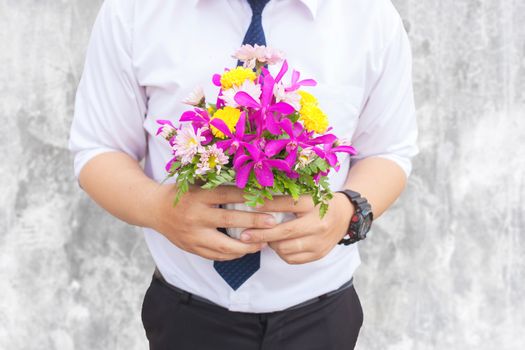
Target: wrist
{"points": [[153, 197], [361, 218], [345, 212]]}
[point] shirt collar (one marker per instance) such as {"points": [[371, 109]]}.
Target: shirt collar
{"points": [[312, 5]]}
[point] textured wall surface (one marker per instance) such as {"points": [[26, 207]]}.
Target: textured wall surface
{"points": [[444, 268]]}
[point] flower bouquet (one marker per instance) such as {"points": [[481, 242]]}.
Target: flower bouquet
{"points": [[261, 134]]}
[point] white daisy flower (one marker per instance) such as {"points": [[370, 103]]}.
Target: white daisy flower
{"points": [[195, 98]]}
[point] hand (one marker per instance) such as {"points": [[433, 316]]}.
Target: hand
{"points": [[307, 238], [192, 224]]}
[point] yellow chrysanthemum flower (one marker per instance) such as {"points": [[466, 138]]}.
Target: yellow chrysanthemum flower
{"points": [[313, 118], [307, 98], [237, 76], [230, 116]]}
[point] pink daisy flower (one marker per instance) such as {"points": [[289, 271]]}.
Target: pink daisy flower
{"points": [[188, 143], [251, 54], [212, 158], [269, 55]]}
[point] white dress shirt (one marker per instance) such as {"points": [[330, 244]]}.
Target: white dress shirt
{"points": [[145, 57]]}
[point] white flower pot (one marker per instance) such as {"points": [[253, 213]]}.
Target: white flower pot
{"points": [[235, 232]]}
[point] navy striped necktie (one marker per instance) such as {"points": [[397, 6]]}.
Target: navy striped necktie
{"points": [[255, 33], [236, 272]]}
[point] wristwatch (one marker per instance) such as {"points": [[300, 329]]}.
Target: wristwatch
{"points": [[361, 219]]}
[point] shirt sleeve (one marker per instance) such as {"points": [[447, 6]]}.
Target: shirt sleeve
{"points": [[387, 127], [110, 105]]}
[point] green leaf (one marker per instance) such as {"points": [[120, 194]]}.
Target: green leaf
{"points": [[208, 186], [323, 209], [174, 166], [294, 117], [266, 193], [182, 188], [260, 200], [292, 187]]}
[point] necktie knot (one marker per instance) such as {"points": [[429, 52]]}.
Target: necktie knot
{"points": [[257, 6], [255, 33]]}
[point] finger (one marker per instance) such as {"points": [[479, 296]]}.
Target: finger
{"points": [[238, 218], [287, 204], [224, 244], [215, 255], [294, 246], [222, 194], [299, 227], [300, 258]]}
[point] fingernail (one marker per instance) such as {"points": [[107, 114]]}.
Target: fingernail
{"points": [[264, 245], [245, 237], [270, 220]]}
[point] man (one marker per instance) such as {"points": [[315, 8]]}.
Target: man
{"points": [[293, 286]]}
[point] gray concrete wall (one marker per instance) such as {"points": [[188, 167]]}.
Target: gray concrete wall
{"points": [[443, 269]]}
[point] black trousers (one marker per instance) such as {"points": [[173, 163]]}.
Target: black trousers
{"points": [[174, 322]]}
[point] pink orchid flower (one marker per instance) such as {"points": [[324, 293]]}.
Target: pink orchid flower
{"points": [[267, 108], [296, 83], [200, 119], [331, 156], [297, 138], [260, 164], [197, 117], [235, 142]]}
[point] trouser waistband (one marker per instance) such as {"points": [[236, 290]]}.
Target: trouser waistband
{"points": [[188, 296]]}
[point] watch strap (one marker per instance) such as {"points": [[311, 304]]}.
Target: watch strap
{"points": [[360, 205]]}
